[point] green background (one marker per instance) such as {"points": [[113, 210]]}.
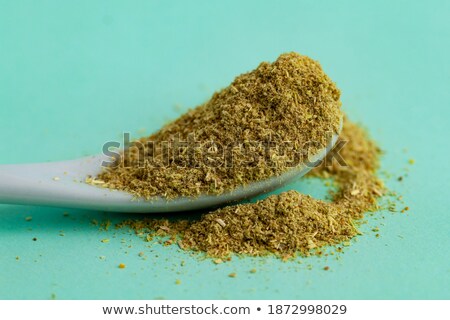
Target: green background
{"points": [[74, 75]]}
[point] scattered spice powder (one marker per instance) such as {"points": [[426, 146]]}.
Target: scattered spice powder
{"points": [[122, 266], [290, 104], [281, 224], [105, 225]]}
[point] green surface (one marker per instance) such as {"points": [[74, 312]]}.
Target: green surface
{"points": [[73, 76]]}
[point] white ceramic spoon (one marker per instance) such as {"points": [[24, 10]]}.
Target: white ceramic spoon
{"points": [[61, 184]]}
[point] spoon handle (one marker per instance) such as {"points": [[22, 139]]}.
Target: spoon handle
{"points": [[50, 184]]}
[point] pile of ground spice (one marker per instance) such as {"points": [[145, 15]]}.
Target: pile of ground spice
{"points": [[289, 223], [221, 144]]}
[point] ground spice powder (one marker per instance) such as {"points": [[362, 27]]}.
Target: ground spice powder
{"points": [[290, 100], [289, 223]]}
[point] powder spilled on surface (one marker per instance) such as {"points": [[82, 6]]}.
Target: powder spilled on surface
{"points": [[290, 103], [289, 223]]}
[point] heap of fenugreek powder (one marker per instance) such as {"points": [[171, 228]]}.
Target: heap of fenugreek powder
{"points": [[289, 223], [290, 103]]}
